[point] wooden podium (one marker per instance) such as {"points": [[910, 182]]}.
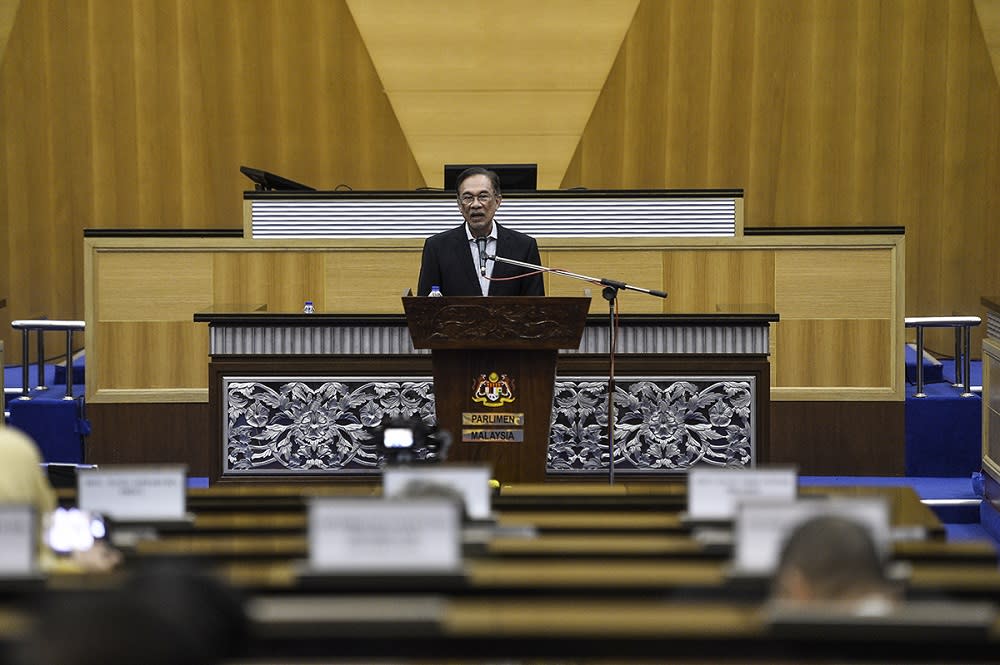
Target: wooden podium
{"points": [[494, 365]]}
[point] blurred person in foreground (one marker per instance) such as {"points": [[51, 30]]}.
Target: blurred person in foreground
{"points": [[166, 612], [23, 482], [833, 562]]}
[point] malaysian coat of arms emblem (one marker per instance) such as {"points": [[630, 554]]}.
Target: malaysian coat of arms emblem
{"points": [[493, 390]]}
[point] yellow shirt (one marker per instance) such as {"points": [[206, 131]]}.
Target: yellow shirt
{"points": [[22, 480]]}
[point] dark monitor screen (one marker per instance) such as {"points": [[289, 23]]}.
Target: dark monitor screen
{"points": [[264, 181], [513, 177]]}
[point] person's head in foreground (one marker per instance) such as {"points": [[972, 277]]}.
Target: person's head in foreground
{"points": [[832, 561]]}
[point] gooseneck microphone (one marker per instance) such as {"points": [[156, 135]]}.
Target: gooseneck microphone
{"points": [[481, 243]]}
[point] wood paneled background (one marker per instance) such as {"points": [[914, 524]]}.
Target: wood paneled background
{"points": [[828, 113], [143, 293], [137, 114]]}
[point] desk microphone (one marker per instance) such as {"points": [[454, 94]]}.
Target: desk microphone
{"points": [[481, 243]]}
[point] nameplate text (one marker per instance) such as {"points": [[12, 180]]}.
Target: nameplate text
{"points": [[134, 493], [352, 535], [18, 541], [714, 494], [469, 482], [762, 527]]}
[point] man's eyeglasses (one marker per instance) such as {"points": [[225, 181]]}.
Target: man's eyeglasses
{"points": [[482, 197]]}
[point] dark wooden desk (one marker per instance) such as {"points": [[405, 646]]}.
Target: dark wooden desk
{"points": [[255, 355], [596, 583], [585, 629], [645, 529]]}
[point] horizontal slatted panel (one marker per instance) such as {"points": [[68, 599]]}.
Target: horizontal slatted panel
{"points": [[993, 325], [395, 340], [563, 217]]}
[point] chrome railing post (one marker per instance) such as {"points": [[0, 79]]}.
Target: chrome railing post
{"points": [[25, 364], [963, 348], [40, 360], [966, 361], [40, 326], [959, 357], [69, 363], [920, 363]]}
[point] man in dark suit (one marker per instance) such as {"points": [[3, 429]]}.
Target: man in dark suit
{"points": [[451, 259]]}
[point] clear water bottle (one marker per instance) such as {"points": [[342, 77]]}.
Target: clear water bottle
{"points": [[435, 292], [308, 308]]}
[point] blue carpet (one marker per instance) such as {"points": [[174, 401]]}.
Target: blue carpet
{"points": [[962, 522], [989, 519], [926, 488], [12, 375], [944, 430], [55, 423], [972, 531], [975, 371], [79, 370], [55, 374], [933, 371]]}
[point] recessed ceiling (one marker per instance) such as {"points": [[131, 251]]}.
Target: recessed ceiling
{"points": [[8, 11], [508, 83], [989, 20]]}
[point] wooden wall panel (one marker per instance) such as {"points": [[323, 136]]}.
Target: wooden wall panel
{"points": [[152, 286], [137, 114], [721, 281], [819, 353], [641, 268], [839, 438], [152, 354], [8, 10], [827, 113], [988, 12], [844, 284], [151, 434], [281, 280], [832, 353], [819, 438], [370, 282]]}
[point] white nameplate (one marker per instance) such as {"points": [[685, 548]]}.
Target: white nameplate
{"points": [[350, 535], [134, 493], [18, 541], [714, 494], [763, 526], [471, 482]]}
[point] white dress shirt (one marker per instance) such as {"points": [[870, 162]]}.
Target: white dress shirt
{"points": [[491, 249]]}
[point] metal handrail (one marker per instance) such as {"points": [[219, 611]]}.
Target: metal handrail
{"points": [[26, 326], [963, 335]]}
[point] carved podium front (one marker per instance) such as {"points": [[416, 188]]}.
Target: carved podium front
{"points": [[494, 364]]}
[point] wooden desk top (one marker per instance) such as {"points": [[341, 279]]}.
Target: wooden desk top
{"points": [[623, 630], [560, 546], [593, 583], [556, 521]]}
